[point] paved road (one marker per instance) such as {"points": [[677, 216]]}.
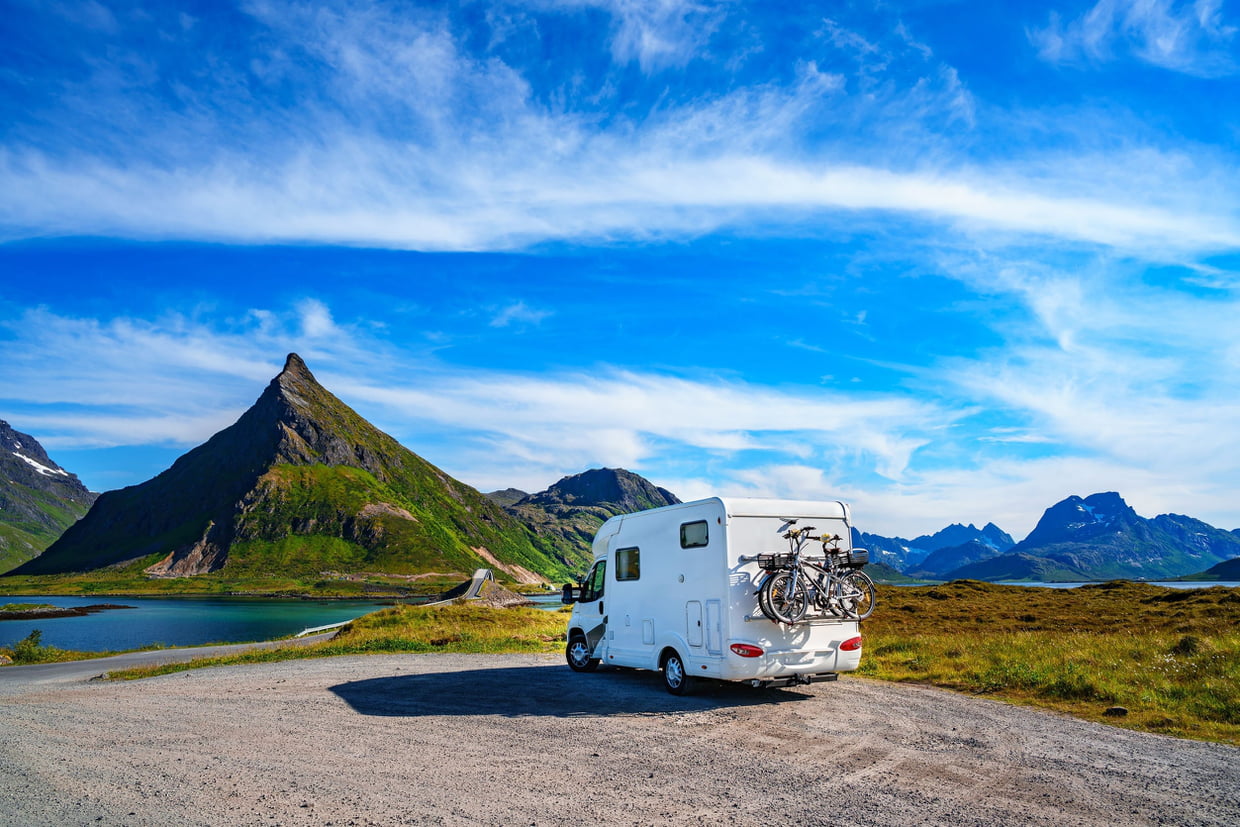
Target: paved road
{"points": [[80, 670], [519, 739]]}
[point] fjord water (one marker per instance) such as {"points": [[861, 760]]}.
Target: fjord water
{"points": [[177, 621]]}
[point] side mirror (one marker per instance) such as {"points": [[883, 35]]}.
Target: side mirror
{"points": [[570, 593]]}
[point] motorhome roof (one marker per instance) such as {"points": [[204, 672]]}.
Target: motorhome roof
{"points": [[757, 507], [764, 507]]}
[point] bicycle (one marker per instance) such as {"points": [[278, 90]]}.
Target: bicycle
{"points": [[796, 581]]}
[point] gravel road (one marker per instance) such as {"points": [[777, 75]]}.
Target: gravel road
{"points": [[519, 739]]}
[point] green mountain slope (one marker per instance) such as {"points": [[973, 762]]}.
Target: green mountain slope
{"points": [[300, 485], [567, 515], [38, 498]]}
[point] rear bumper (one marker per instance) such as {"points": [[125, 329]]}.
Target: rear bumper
{"points": [[794, 680]]}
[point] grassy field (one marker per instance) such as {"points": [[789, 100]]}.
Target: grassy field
{"points": [[1169, 657], [455, 627]]}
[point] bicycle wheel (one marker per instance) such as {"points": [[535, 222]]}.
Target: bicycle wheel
{"points": [[785, 597], [857, 595], [763, 603]]}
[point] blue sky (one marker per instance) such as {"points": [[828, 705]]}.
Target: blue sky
{"points": [[949, 261]]}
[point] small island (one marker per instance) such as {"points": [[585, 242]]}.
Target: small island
{"points": [[39, 611]]}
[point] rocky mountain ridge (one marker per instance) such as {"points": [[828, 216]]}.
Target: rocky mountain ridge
{"points": [[38, 498], [907, 555], [568, 513], [298, 485]]}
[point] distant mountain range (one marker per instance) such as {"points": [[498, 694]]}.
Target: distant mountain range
{"points": [[38, 498], [938, 552], [1096, 538], [301, 485]]}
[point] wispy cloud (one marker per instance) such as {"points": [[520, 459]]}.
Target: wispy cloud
{"points": [[518, 313], [178, 381], [1188, 37], [357, 125], [1102, 397]]}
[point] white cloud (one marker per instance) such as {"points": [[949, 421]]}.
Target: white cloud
{"points": [[179, 381], [402, 140], [316, 319], [582, 199], [657, 34], [1183, 37], [518, 313], [1109, 387]]}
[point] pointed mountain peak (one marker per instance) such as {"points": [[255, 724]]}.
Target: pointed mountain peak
{"points": [[295, 368], [1074, 519], [295, 379]]}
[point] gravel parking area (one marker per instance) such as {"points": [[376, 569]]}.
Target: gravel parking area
{"points": [[519, 739]]}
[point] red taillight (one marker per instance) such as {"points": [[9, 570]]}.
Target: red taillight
{"points": [[746, 650], [851, 645]]}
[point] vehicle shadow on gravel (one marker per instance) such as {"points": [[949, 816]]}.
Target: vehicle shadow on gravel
{"points": [[543, 691]]}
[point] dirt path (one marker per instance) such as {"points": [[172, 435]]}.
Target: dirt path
{"points": [[454, 739]]}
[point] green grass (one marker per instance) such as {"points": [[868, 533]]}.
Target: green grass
{"points": [[1170, 657], [31, 650], [25, 607], [456, 627]]}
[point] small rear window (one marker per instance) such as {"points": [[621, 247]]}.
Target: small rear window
{"points": [[628, 564], [693, 535]]}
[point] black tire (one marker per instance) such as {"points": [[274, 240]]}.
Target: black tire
{"points": [[785, 597], [860, 588], [763, 604], [577, 653], [676, 678]]}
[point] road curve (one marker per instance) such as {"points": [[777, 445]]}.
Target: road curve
{"points": [[13, 677], [520, 739]]}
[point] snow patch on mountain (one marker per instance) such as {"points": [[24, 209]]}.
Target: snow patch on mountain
{"points": [[40, 467]]}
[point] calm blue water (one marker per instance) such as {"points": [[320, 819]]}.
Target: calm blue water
{"points": [[178, 621]]}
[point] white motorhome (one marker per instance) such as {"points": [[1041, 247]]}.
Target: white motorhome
{"points": [[673, 589]]}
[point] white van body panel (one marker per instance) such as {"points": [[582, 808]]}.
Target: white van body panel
{"points": [[701, 600]]}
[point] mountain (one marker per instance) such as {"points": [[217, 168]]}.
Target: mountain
{"points": [[567, 515], [300, 485], [1226, 570], [909, 555], [941, 561], [38, 498], [1101, 537], [506, 496], [895, 552], [991, 536]]}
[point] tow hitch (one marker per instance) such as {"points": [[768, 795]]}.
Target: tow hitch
{"points": [[795, 680]]}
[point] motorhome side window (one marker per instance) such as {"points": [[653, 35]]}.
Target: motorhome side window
{"points": [[592, 589], [693, 535], [628, 564]]}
